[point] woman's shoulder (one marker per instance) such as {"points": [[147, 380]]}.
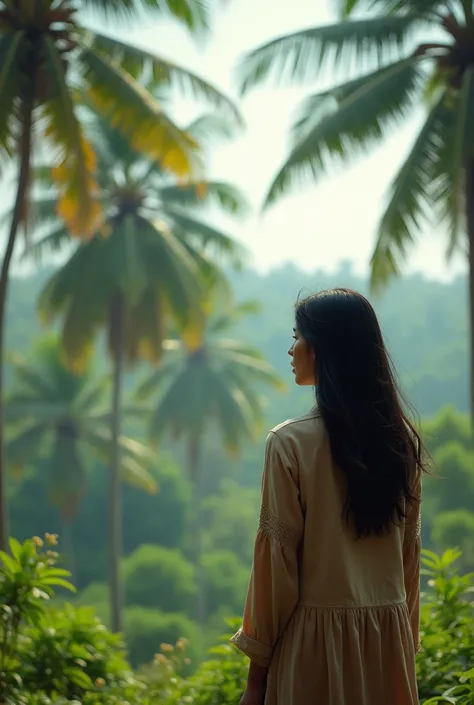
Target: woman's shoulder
{"points": [[296, 430]]}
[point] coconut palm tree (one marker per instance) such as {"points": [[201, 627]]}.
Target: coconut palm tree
{"points": [[152, 262], [60, 419], [412, 53], [49, 62], [207, 380]]}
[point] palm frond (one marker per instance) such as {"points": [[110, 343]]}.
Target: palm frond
{"points": [[221, 322], [302, 55], [135, 459], [250, 366], [42, 212], [79, 292], [153, 382], [456, 147], [24, 406], [172, 412], [193, 14], [208, 237], [75, 164], [117, 97], [25, 445], [110, 145], [52, 243], [30, 379], [427, 8], [409, 202], [209, 128], [13, 45], [355, 123], [164, 73], [206, 193], [233, 413], [174, 270]]}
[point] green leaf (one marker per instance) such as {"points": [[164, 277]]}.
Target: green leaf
{"points": [[206, 235], [117, 97], [58, 582], [410, 199], [164, 73], [303, 55], [16, 549], [9, 564], [355, 123], [79, 678], [193, 14], [75, 164], [208, 129], [204, 194]]}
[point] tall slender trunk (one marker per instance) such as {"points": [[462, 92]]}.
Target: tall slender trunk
{"points": [[196, 528], [24, 147], [470, 235], [68, 547], [115, 490]]}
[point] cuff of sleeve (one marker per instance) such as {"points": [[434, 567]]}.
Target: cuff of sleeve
{"points": [[260, 653]]}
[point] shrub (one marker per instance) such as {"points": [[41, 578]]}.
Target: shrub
{"points": [[226, 581], [146, 629], [447, 625], [52, 654], [160, 578]]}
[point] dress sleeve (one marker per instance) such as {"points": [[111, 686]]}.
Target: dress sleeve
{"points": [[274, 587], [411, 560]]}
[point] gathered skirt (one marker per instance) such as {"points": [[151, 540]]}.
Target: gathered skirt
{"points": [[344, 656]]}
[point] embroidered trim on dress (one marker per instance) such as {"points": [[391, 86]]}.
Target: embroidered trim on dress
{"points": [[413, 533], [278, 530]]}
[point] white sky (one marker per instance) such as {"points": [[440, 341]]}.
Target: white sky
{"points": [[326, 223]]}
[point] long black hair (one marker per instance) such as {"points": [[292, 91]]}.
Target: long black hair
{"points": [[373, 441]]}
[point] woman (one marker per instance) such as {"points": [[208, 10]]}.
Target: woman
{"points": [[332, 612]]}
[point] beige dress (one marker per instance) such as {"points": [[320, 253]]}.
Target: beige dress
{"points": [[336, 619]]}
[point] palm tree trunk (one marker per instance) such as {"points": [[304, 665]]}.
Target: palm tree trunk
{"points": [[470, 235], [68, 548], [24, 147], [196, 529], [115, 493]]}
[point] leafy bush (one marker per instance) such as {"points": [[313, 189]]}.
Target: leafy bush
{"points": [[447, 626], [146, 629], [49, 655], [52, 654], [160, 578], [226, 581]]}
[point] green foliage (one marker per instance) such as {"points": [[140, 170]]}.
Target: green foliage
{"points": [[63, 656], [456, 528], [221, 679], [60, 415], [27, 579], [160, 578], [70, 652], [230, 520], [226, 581], [146, 629], [346, 120], [219, 377], [447, 625]]}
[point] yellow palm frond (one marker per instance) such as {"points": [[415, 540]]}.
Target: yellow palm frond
{"points": [[116, 96], [74, 169]]}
